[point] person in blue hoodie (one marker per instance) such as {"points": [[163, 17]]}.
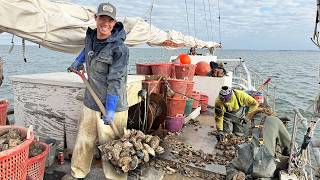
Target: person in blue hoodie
{"points": [[106, 58]]}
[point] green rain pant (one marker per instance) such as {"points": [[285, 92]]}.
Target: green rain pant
{"points": [[232, 123], [92, 131]]}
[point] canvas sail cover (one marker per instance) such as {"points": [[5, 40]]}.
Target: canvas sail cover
{"points": [[61, 26]]}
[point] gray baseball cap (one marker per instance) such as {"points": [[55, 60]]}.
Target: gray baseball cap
{"points": [[107, 9]]}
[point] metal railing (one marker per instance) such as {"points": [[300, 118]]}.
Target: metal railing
{"points": [[248, 79]]}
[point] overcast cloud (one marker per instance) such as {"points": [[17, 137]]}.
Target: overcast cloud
{"points": [[245, 24]]}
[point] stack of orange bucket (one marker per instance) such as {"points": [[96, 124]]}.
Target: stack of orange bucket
{"points": [[204, 102]]}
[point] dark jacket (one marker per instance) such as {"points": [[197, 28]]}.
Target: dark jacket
{"points": [[106, 66]]}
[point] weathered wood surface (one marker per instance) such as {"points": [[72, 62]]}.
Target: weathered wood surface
{"points": [[52, 110], [52, 103]]}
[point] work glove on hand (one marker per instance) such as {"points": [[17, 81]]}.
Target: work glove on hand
{"points": [[220, 136], [111, 104], [78, 63]]}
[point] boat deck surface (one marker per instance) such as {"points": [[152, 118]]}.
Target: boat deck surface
{"points": [[195, 134]]}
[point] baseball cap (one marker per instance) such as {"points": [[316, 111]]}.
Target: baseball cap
{"points": [[106, 9]]}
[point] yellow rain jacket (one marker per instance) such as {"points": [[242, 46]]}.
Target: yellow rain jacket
{"points": [[233, 105]]}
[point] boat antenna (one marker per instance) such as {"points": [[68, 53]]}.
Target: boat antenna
{"points": [[205, 16], [315, 37], [219, 18], [185, 1]]}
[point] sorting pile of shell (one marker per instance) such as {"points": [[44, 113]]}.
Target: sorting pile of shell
{"points": [[132, 149], [170, 167], [10, 139], [226, 150], [185, 154]]}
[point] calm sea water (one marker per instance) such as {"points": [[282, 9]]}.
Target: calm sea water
{"points": [[296, 73]]}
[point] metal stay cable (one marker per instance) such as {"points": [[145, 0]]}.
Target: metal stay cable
{"points": [[211, 21], [205, 16], [185, 1], [150, 17], [194, 21], [219, 18]]}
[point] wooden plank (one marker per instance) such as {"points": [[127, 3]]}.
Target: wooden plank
{"points": [[47, 108], [53, 103], [195, 113]]}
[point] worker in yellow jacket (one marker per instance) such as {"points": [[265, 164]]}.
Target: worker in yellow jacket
{"points": [[230, 111]]}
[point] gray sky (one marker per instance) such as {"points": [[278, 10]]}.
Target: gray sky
{"points": [[245, 24]]}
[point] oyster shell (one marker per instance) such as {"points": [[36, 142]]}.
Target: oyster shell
{"points": [[126, 145], [149, 149], [140, 135], [145, 155], [126, 133], [124, 161], [117, 150], [147, 138], [134, 163], [125, 168], [155, 141], [159, 150], [138, 145]]}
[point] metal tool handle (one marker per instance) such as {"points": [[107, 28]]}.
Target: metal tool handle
{"points": [[96, 99]]}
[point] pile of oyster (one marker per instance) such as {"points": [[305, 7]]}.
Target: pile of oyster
{"points": [[171, 167], [10, 139], [226, 150], [132, 149]]}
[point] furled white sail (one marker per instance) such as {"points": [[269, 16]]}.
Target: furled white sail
{"points": [[61, 26]]}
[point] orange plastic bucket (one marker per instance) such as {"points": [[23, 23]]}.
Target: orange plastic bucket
{"points": [[13, 162], [196, 97], [190, 86], [162, 69], [4, 104], [179, 86], [36, 165], [176, 105], [185, 71], [204, 102], [143, 69]]}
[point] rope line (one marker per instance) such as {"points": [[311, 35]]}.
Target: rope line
{"points": [[205, 16], [185, 1], [211, 21], [219, 17]]}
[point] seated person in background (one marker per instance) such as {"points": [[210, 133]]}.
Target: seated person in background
{"points": [[231, 108], [257, 157], [217, 70], [192, 51]]}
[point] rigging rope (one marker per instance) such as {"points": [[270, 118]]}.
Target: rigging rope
{"points": [[219, 17], [205, 16], [150, 17], [24, 50], [194, 21], [185, 1], [12, 45], [211, 21]]}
